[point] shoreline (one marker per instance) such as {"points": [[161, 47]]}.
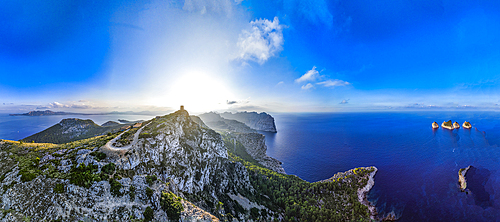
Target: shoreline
{"points": [[363, 193]]}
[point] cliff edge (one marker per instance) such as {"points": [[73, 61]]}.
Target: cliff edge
{"points": [[258, 121]]}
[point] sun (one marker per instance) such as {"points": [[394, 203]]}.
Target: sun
{"points": [[197, 91]]}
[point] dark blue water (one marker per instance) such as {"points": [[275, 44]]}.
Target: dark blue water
{"points": [[19, 127], [418, 166]]}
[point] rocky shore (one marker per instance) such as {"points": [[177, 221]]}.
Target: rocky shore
{"points": [[363, 192]]}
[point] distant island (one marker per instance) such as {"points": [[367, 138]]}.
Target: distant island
{"points": [[447, 125], [52, 113], [451, 126], [46, 113]]}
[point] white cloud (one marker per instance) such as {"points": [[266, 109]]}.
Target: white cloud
{"points": [[333, 83], [280, 83], [262, 41], [307, 86], [310, 76]]}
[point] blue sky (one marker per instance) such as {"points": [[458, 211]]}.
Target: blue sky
{"points": [[277, 56]]}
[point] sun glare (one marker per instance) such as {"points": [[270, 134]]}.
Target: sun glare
{"points": [[198, 92]]}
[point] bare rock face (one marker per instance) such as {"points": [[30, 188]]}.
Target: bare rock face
{"points": [[258, 121], [456, 125], [255, 145], [253, 142], [435, 125]]}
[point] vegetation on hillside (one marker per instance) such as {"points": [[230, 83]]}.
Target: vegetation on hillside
{"points": [[69, 130], [299, 200]]}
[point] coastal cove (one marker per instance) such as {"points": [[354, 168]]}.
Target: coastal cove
{"points": [[417, 166]]}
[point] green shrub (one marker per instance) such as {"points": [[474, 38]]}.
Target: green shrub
{"points": [[115, 187], [99, 155], [27, 176], [148, 214], [149, 192], [108, 168], [151, 179], [254, 213], [171, 205], [84, 175], [59, 188], [132, 193]]}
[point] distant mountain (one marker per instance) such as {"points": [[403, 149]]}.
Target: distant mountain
{"points": [[258, 121], [110, 123], [216, 122], [129, 122], [45, 113], [69, 130], [51, 113]]}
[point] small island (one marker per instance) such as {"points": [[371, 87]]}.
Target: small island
{"points": [[447, 125], [461, 178], [456, 125], [467, 125], [435, 125]]}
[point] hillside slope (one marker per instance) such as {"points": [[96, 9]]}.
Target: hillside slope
{"points": [[177, 170], [69, 130]]}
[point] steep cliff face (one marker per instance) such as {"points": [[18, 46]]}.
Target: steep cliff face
{"points": [[253, 142], [255, 145], [193, 157], [257, 121]]}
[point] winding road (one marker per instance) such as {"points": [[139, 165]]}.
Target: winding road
{"points": [[109, 144]]}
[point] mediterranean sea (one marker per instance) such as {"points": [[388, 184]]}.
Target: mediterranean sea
{"points": [[19, 127], [418, 167]]}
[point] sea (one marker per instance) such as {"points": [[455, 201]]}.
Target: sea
{"points": [[417, 176], [19, 127]]}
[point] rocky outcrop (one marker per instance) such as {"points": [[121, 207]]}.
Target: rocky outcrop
{"points": [[447, 125], [253, 142], [359, 174], [258, 121], [255, 145], [435, 125], [216, 122], [467, 125], [462, 178], [39, 200], [456, 125]]}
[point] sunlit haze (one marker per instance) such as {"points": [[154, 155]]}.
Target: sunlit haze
{"points": [[274, 56]]}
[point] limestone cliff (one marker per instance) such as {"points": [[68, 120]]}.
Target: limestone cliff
{"points": [[253, 142], [257, 121], [255, 145]]}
